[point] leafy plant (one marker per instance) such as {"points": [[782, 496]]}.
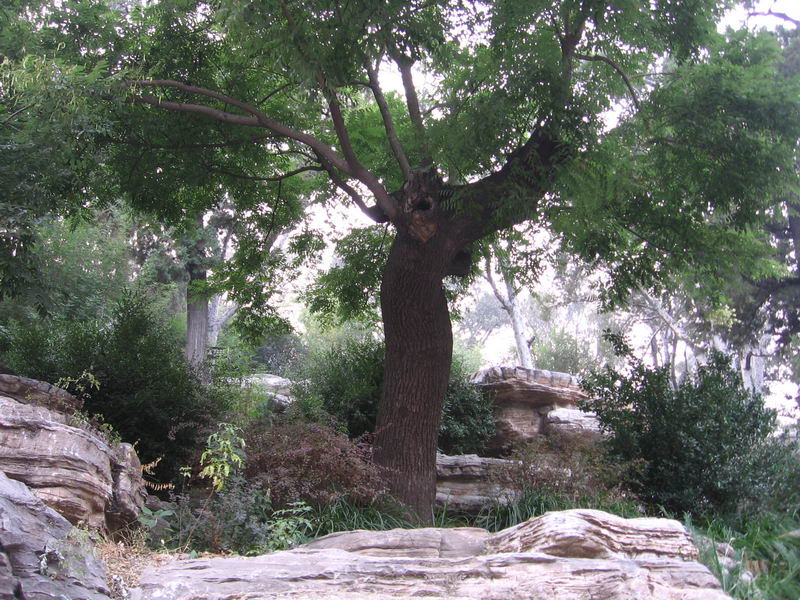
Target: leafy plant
{"points": [[705, 447], [223, 456]]}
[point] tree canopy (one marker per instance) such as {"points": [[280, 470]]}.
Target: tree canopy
{"points": [[502, 118]]}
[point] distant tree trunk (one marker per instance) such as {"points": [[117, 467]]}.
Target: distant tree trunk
{"points": [[196, 304], [510, 304], [419, 347]]}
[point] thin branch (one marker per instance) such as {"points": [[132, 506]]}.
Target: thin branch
{"points": [[613, 65], [274, 92], [16, 112], [255, 119], [281, 177], [777, 15], [412, 101], [388, 124]]}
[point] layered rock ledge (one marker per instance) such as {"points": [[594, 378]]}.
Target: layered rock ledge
{"points": [[532, 402], [570, 555], [72, 469]]}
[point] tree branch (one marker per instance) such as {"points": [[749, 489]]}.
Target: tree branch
{"points": [[255, 119], [777, 15], [349, 190], [388, 124], [281, 177], [412, 101], [613, 65]]}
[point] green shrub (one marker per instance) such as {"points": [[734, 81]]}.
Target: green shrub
{"points": [[345, 377], [147, 392], [706, 447]]}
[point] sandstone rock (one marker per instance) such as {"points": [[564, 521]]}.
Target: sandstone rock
{"points": [[39, 393], [71, 469], [42, 556], [542, 559], [523, 398], [571, 420], [465, 483]]}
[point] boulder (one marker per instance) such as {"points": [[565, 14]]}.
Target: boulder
{"points": [[523, 399], [276, 387], [466, 483], [72, 469], [42, 556], [574, 555]]}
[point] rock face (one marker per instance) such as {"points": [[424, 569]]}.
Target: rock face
{"points": [[71, 469], [42, 556], [524, 400], [465, 484], [572, 555]]}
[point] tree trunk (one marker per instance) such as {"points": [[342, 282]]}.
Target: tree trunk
{"points": [[196, 320], [196, 304], [419, 346], [515, 314]]}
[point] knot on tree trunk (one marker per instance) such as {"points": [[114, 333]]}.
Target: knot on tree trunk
{"points": [[420, 203]]}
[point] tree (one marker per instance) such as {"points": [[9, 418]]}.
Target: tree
{"points": [[509, 130]]}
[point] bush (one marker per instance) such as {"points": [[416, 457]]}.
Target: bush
{"points": [[147, 392], [311, 463], [345, 379], [705, 448], [238, 519]]}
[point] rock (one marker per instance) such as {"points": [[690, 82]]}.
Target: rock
{"points": [[278, 388], [73, 470], [571, 420], [39, 393], [42, 556], [523, 398], [465, 483], [574, 555]]}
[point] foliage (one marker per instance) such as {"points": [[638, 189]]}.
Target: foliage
{"points": [[280, 355], [238, 519], [146, 390], [705, 447], [223, 457], [558, 472], [311, 463], [563, 352], [345, 379]]}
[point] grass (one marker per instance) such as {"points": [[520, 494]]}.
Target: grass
{"points": [[766, 561]]}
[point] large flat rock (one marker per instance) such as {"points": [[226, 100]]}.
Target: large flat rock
{"points": [[572, 555]]}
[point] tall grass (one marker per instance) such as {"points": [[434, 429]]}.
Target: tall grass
{"points": [[766, 560], [537, 502]]}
